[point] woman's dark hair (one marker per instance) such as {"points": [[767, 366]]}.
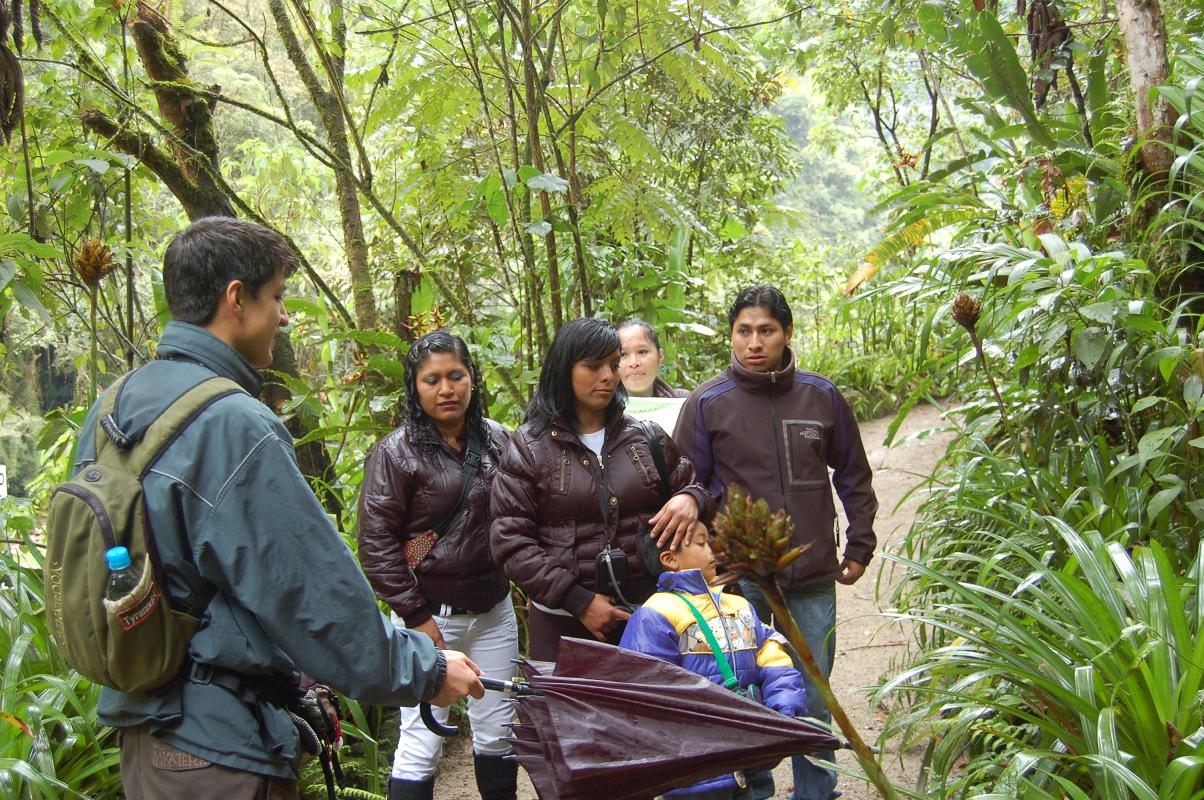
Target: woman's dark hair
{"points": [[649, 331], [580, 339], [205, 257], [420, 351], [764, 296]]}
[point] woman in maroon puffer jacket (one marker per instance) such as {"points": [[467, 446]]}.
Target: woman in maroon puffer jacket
{"points": [[579, 478], [442, 583]]}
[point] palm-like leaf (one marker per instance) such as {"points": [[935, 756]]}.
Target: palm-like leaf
{"points": [[1094, 666]]}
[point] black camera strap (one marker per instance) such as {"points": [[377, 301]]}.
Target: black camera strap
{"points": [[602, 490]]}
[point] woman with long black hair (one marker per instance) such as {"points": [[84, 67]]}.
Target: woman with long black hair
{"points": [[578, 483], [424, 545]]}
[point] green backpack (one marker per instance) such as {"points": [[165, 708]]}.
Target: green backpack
{"points": [[138, 642]]}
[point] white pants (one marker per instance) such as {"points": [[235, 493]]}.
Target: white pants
{"points": [[491, 641]]}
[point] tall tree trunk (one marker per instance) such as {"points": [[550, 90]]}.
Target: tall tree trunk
{"points": [[405, 281], [331, 111], [1144, 32], [535, 153], [189, 175]]}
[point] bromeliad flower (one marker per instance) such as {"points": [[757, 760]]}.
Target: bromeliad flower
{"points": [[966, 310], [93, 261], [753, 543], [750, 541]]}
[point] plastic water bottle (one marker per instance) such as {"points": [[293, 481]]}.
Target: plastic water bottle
{"points": [[123, 578]]}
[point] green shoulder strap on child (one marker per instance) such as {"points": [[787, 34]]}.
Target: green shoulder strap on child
{"points": [[730, 681]]}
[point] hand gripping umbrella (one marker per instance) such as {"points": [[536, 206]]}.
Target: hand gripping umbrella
{"points": [[612, 723]]}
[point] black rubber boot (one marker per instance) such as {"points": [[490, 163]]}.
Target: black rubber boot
{"points": [[497, 776], [411, 790]]}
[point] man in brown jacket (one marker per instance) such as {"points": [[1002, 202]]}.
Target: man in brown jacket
{"points": [[775, 430]]}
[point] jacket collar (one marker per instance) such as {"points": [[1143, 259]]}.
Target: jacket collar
{"points": [[689, 581], [564, 430], [780, 380], [193, 343], [427, 436]]}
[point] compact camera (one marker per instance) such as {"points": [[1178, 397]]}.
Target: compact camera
{"points": [[611, 569]]}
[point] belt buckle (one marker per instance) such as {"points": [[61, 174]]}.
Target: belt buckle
{"points": [[201, 673]]}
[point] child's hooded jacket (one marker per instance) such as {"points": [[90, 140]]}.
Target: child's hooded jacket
{"points": [[665, 628]]}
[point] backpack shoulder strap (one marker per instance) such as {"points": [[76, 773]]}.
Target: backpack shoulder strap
{"points": [[141, 451], [658, 456], [725, 669], [107, 433]]}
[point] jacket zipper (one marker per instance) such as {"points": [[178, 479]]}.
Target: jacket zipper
{"points": [[777, 445], [639, 462], [564, 470], [106, 524]]}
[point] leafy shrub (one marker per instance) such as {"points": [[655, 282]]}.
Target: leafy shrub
{"points": [[1076, 680], [51, 744]]}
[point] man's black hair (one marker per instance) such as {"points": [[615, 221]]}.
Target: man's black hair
{"points": [[205, 257], [581, 339], [420, 351], [763, 296], [649, 331], [646, 544]]}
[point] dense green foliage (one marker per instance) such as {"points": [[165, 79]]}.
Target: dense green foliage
{"points": [[500, 168]]}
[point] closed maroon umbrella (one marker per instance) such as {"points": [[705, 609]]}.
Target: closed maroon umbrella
{"points": [[612, 723]]}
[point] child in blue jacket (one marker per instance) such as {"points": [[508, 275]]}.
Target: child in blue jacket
{"points": [[666, 627]]}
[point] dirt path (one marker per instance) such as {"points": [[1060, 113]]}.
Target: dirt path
{"points": [[865, 646]]}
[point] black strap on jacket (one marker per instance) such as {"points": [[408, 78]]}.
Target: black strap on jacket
{"points": [[602, 490], [472, 465], [658, 457]]}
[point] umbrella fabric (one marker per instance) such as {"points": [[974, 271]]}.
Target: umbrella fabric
{"points": [[621, 725]]}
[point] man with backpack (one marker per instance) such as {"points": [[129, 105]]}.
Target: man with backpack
{"points": [[238, 541]]}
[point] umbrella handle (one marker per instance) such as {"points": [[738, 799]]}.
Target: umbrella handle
{"points": [[516, 688], [435, 726]]}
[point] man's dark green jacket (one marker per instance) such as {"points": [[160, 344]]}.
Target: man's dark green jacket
{"points": [[233, 516]]}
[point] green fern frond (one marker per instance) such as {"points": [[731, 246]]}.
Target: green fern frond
{"points": [[911, 235]]}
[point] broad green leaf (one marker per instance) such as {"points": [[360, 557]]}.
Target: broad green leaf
{"points": [[1162, 499], [22, 244], [677, 249], [497, 209], [1144, 403], [1193, 387], [1090, 346], [1196, 507], [732, 230], [423, 299], [547, 182], [8, 270], [1152, 443], [97, 165], [26, 297], [299, 304], [1099, 312]]}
